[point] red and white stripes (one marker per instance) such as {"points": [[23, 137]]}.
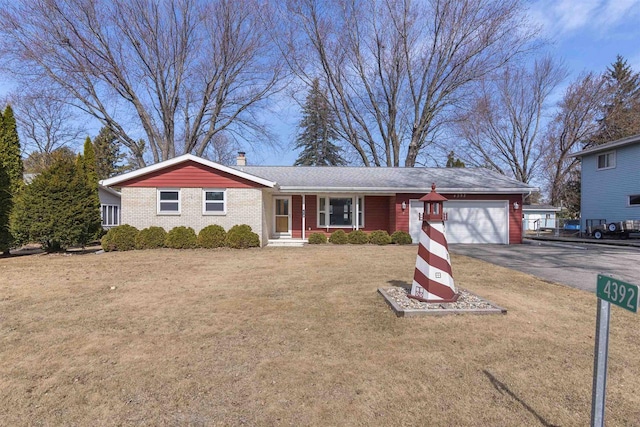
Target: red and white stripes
{"points": [[433, 278]]}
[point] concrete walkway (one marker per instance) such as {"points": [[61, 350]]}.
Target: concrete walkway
{"points": [[572, 263]]}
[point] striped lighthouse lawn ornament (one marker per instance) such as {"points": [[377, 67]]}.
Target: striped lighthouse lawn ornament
{"points": [[433, 278]]}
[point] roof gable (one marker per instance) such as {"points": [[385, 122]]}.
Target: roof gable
{"points": [[185, 171], [631, 140]]}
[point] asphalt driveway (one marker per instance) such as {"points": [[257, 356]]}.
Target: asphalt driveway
{"points": [[575, 265]]}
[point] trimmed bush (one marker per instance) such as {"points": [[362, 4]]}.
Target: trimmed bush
{"points": [[151, 238], [379, 237], [317, 239], [358, 237], [120, 238], [339, 237], [181, 238], [401, 238], [212, 236], [241, 237]]}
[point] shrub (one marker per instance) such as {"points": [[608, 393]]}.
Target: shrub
{"points": [[401, 238], [120, 238], [379, 237], [181, 238], [317, 238], [212, 236], [59, 209], [151, 238], [241, 237], [358, 237], [339, 237]]}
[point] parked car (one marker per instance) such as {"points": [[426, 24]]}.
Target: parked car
{"points": [[572, 225]]}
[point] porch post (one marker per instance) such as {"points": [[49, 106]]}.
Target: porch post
{"points": [[304, 214], [356, 212]]}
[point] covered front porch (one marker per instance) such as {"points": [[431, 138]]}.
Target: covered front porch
{"points": [[296, 216]]}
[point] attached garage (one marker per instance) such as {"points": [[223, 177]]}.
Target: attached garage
{"points": [[292, 202], [469, 221]]}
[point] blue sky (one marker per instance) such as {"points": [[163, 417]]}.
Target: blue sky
{"points": [[586, 34]]}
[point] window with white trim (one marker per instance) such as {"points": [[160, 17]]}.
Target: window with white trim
{"points": [[214, 201], [606, 160], [169, 201], [634, 200], [338, 212], [110, 215]]}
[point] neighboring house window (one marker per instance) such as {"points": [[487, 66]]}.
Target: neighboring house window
{"points": [[634, 200], [339, 211], [214, 202], [110, 215], [169, 201], [607, 160]]}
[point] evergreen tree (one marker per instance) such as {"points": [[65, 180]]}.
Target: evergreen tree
{"points": [[11, 163], [318, 132], [10, 155], [108, 155], [88, 161], [621, 111], [5, 207], [58, 209], [453, 162], [37, 162]]}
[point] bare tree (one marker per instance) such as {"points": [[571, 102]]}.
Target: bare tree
{"points": [[395, 68], [45, 120], [168, 70], [502, 128], [222, 150], [574, 123]]}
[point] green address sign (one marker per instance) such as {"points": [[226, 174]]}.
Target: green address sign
{"points": [[617, 292]]}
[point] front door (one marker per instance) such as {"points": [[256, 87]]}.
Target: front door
{"points": [[282, 216]]}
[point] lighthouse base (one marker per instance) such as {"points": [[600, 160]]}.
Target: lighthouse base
{"points": [[433, 301]]}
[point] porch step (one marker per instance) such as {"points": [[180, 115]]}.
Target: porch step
{"points": [[286, 242]]}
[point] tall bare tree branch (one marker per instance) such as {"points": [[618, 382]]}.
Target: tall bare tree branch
{"points": [[571, 127], [395, 68], [502, 127], [175, 72], [45, 120]]}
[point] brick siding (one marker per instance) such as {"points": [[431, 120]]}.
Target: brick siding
{"points": [[244, 206]]}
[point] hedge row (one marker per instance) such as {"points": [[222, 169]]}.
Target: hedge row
{"points": [[126, 238], [359, 237]]}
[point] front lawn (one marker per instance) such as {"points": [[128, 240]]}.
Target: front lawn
{"points": [[294, 336]]}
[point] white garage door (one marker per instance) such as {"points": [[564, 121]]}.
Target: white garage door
{"points": [[475, 221]]}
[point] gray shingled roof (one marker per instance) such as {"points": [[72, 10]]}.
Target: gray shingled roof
{"points": [[387, 180], [634, 139]]}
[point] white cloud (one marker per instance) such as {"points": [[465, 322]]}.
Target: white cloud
{"points": [[563, 17]]}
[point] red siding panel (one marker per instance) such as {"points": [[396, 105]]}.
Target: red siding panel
{"points": [[376, 215], [392, 214], [190, 174], [296, 217]]}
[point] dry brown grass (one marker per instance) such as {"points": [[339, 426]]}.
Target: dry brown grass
{"points": [[294, 336]]}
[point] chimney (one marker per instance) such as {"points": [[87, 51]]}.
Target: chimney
{"points": [[241, 160]]}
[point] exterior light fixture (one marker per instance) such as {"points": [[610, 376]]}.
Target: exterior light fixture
{"points": [[516, 206], [404, 206]]}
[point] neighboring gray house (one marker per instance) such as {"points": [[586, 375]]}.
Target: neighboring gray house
{"points": [[538, 217], [611, 181]]}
